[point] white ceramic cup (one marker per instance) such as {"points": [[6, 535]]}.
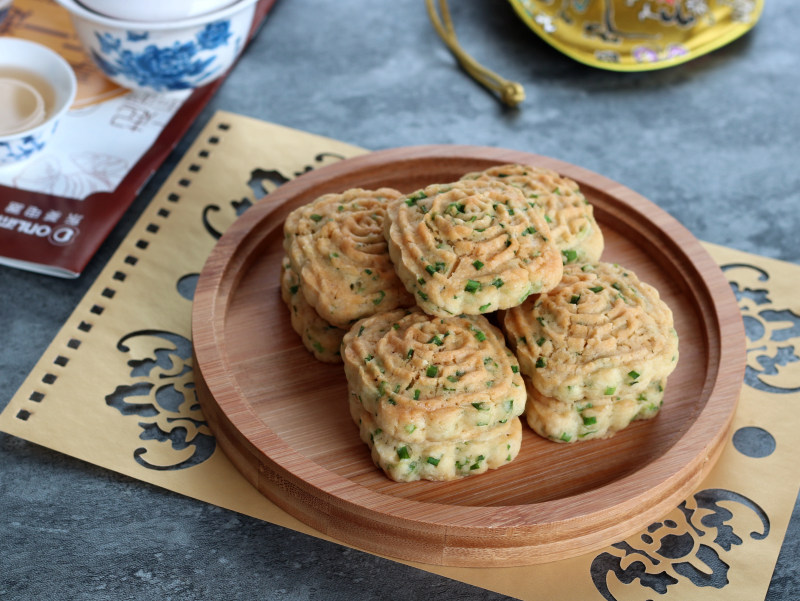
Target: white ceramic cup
{"points": [[25, 65]]}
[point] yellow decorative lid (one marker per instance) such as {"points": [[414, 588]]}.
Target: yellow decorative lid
{"points": [[638, 35]]}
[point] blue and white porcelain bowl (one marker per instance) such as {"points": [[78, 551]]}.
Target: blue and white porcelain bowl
{"points": [[38, 73], [164, 56], [5, 8]]}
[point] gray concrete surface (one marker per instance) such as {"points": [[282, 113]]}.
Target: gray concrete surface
{"points": [[714, 142]]}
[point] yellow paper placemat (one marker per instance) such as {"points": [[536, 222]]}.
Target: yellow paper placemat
{"points": [[115, 388]]}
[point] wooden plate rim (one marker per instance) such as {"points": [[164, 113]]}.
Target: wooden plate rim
{"points": [[707, 432]]}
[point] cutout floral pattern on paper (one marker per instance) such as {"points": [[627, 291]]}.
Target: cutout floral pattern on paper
{"points": [[773, 332], [690, 549], [161, 395]]}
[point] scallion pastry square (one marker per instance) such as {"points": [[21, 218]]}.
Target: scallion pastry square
{"points": [[569, 215], [600, 336], [426, 381], [471, 247], [336, 247]]}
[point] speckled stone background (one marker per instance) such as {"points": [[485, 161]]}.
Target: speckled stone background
{"points": [[714, 142]]}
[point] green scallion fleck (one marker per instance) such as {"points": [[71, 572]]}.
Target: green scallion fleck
{"points": [[596, 289], [472, 286], [477, 264], [433, 461], [566, 437], [633, 374], [570, 256], [413, 198], [416, 394], [402, 453], [381, 295], [431, 371], [515, 369], [479, 335], [589, 420], [316, 217], [477, 463], [610, 390], [574, 299], [540, 362], [453, 208], [483, 308]]}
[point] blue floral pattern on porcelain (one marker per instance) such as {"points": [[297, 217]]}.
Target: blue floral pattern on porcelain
{"points": [[183, 64], [18, 149]]}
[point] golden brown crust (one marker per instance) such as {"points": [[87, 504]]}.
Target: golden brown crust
{"points": [[470, 247], [336, 246]]}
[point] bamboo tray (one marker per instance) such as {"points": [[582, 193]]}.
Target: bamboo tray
{"points": [[283, 420]]}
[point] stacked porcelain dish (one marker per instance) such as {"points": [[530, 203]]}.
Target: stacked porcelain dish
{"points": [[159, 45]]}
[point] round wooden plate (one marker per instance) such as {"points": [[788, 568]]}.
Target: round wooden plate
{"points": [[282, 417]]}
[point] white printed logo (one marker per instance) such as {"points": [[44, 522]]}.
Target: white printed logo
{"points": [[63, 235]]}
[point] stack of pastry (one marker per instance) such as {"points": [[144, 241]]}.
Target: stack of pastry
{"points": [[596, 350], [337, 267], [434, 398]]}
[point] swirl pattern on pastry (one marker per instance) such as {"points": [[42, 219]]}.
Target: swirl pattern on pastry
{"points": [[471, 247], [318, 336], [569, 215], [431, 383], [429, 378], [601, 334], [336, 246]]}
